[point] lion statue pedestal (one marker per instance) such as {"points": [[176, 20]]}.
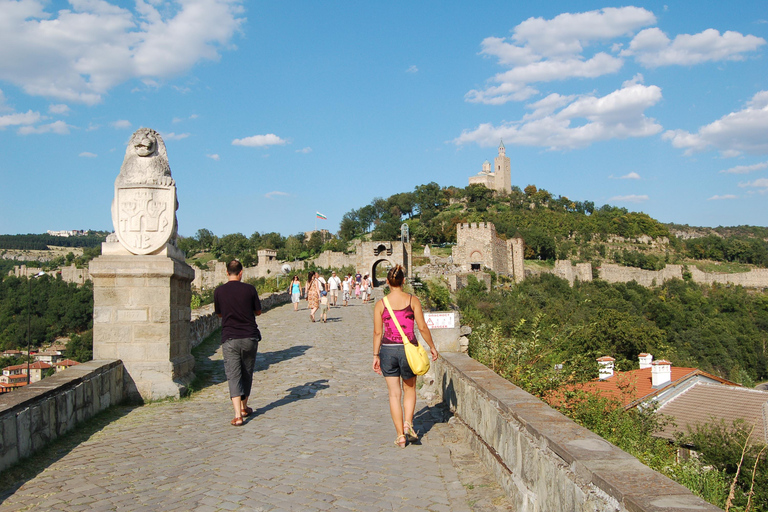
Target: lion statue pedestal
{"points": [[141, 284]]}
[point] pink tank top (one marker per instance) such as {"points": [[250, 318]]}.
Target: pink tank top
{"points": [[406, 319]]}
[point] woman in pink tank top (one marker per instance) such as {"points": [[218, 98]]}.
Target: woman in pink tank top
{"points": [[389, 353]]}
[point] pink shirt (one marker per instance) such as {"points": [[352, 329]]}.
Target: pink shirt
{"points": [[406, 319]]}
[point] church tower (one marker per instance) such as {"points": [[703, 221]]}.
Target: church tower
{"points": [[503, 171]]}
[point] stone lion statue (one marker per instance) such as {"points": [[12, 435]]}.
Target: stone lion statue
{"points": [[146, 161]]}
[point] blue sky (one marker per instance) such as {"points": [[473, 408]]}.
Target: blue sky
{"points": [[272, 111]]}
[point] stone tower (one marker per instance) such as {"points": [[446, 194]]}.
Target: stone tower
{"points": [[503, 171]]}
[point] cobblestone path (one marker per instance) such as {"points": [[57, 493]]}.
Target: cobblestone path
{"points": [[321, 439]]}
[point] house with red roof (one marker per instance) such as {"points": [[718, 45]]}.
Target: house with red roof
{"points": [[63, 365]]}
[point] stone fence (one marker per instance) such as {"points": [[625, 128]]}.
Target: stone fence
{"points": [[545, 461], [205, 321], [33, 416]]}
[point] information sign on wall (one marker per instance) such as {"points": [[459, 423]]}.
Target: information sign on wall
{"points": [[439, 320]]}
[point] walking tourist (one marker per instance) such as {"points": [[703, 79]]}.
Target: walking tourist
{"points": [[365, 285], [295, 290], [323, 285], [312, 293], [238, 305], [324, 306], [358, 281], [345, 288], [389, 352], [334, 284]]}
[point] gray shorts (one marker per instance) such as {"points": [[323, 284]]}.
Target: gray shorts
{"points": [[393, 362], [239, 361]]}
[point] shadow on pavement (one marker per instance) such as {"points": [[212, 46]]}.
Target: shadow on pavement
{"points": [[266, 359], [27, 469], [296, 393], [429, 416]]}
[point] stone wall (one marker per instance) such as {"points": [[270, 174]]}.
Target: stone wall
{"points": [[566, 270], [755, 278], [70, 274], [544, 460], [39, 413]]}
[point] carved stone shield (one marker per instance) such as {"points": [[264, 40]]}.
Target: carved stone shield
{"points": [[143, 216]]}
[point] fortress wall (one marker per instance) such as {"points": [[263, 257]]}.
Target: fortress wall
{"points": [[544, 460], [34, 415], [614, 273], [755, 278]]}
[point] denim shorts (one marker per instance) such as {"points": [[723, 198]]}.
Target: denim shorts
{"points": [[393, 361]]}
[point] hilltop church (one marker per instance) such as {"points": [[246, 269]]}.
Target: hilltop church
{"points": [[500, 177]]}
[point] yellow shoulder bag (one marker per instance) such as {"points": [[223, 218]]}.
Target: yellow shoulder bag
{"points": [[418, 359]]}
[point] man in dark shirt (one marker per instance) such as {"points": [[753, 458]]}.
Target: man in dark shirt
{"points": [[238, 305]]}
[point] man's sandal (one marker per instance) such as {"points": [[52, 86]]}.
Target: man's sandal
{"points": [[404, 441], [237, 422], [246, 412], [410, 433]]}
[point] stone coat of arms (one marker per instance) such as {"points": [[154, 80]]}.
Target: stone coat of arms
{"points": [[144, 207]]}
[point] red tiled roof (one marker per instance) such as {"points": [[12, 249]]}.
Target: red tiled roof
{"points": [[704, 403], [37, 365], [635, 386]]}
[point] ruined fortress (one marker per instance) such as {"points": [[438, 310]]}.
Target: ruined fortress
{"points": [[478, 246]]}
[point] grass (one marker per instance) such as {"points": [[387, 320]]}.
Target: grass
{"points": [[206, 369], [539, 264]]}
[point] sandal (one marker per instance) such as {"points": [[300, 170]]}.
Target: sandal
{"points": [[246, 412], [410, 433], [237, 422], [397, 441]]}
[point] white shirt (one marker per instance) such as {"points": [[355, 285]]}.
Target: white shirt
{"points": [[322, 282], [335, 282], [345, 284]]}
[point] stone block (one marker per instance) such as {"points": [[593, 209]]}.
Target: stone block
{"points": [[149, 296], [152, 333], [159, 315], [111, 333], [24, 432], [9, 452], [65, 411], [102, 315]]}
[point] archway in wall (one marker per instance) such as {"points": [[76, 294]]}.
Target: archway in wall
{"points": [[475, 260], [379, 271]]}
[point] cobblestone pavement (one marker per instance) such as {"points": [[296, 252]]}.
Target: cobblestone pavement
{"points": [[321, 439]]}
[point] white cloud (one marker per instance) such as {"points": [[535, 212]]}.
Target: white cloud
{"points": [[412, 69], [745, 131], [180, 119], [745, 169], [720, 198], [632, 198], [87, 154], [80, 52], [619, 114], [652, 48], [631, 176], [260, 141], [58, 127], [60, 109], [548, 50], [274, 193], [761, 183], [119, 124], [18, 119], [175, 136], [304, 150], [214, 156]]}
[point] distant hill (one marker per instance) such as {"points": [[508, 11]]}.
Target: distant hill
{"points": [[554, 227], [43, 242]]}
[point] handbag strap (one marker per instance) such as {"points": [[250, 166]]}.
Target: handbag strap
{"points": [[394, 319]]}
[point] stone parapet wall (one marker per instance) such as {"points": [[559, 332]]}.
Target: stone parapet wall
{"points": [[544, 460], [33, 416], [70, 274]]}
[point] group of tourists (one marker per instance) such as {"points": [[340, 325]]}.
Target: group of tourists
{"points": [[394, 322], [322, 294]]}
